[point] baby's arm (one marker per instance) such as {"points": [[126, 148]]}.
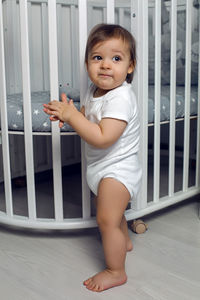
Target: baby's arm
{"points": [[101, 135]]}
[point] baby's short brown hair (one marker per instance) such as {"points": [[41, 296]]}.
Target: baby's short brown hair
{"points": [[103, 32]]}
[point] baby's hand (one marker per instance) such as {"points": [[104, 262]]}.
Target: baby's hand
{"points": [[61, 111]]}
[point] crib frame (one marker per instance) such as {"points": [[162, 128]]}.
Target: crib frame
{"points": [[139, 28]]}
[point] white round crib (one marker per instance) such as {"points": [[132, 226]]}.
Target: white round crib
{"points": [[73, 19]]}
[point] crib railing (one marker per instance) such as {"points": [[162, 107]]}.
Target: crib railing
{"points": [[139, 28], [141, 31]]}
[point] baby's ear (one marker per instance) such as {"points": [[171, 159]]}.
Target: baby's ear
{"points": [[131, 67]]}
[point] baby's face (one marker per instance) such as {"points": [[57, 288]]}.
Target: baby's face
{"points": [[108, 64]]}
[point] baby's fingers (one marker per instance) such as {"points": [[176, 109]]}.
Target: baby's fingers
{"points": [[61, 123], [51, 105], [47, 111], [51, 108], [47, 108], [53, 118], [64, 97]]}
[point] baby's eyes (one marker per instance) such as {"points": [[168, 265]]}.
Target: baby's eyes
{"points": [[97, 57], [116, 58]]}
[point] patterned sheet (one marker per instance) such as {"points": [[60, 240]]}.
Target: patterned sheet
{"points": [[41, 122], [165, 102]]}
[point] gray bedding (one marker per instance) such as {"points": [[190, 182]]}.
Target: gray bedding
{"points": [[165, 102], [41, 122]]}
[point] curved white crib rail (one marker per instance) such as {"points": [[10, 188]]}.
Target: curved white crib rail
{"points": [[139, 27]]}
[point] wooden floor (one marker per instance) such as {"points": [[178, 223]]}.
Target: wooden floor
{"points": [[164, 265]]}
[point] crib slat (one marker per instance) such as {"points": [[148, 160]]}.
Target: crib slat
{"points": [[187, 94], [139, 29], [60, 34], [11, 62], [121, 16], [56, 143], [198, 125], [4, 123], [156, 186], [86, 207], [110, 11], [73, 44], [44, 25], [12, 8], [12, 33], [27, 110], [172, 97]]}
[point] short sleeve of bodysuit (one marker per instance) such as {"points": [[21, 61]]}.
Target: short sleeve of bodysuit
{"points": [[118, 104]]}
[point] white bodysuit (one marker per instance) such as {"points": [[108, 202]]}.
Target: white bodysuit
{"points": [[119, 161]]}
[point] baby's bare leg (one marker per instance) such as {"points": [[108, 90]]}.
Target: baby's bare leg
{"points": [[112, 200], [124, 228]]}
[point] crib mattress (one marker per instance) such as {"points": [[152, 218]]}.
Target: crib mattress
{"points": [[165, 102], [41, 122]]}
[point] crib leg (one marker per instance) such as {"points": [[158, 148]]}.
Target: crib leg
{"points": [[138, 226]]}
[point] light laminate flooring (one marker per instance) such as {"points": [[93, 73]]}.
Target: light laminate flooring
{"points": [[164, 265]]}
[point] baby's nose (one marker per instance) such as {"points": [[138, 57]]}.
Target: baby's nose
{"points": [[105, 64]]}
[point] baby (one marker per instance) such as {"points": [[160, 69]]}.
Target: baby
{"points": [[108, 123]]}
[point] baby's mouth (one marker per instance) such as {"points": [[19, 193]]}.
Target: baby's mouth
{"points": [[104, 75]]}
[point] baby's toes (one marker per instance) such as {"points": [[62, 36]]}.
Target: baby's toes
{"points": [[97, 288], [90, 286], [87, 281]]}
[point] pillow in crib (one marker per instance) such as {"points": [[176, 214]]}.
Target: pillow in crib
{"points": [[194, 62], [165, 58], [180, 58], [180, 68]]}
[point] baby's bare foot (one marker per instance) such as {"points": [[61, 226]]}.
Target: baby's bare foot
{"points": [[105, 280]]}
